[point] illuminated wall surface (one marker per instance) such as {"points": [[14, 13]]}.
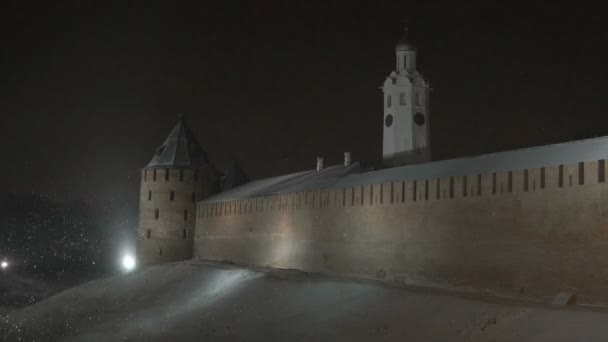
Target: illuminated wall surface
{"points": [[522, 231]]}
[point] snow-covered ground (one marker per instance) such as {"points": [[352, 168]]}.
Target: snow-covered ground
{"points": [[17, 291], [204, 301]]}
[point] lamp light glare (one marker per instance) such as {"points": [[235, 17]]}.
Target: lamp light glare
{"points": [[4, 264], [128, 262]]}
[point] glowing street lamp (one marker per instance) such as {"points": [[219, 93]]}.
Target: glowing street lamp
{"points": [[4, 264], [128, 262]]}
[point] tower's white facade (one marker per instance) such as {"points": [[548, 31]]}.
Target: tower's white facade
{"points": [[406, 111]]}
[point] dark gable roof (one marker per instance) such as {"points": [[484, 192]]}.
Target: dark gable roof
{"points": [[344, 177], [180, 149]]}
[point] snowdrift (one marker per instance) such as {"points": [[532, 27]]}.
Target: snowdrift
{"points": [[204, 301]]}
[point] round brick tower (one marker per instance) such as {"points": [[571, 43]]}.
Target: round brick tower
{"points": [[178, 175]]}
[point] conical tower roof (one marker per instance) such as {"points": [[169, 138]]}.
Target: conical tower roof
{"points": [[180, 149]]}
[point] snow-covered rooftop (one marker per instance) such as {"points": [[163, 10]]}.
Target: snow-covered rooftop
{"points": [[180, 149], [340, 176], [300, 181]]}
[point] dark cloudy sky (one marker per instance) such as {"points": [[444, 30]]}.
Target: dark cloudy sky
{"points": [[90, 89]]}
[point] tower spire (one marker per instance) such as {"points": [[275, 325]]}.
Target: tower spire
{"points": [[179, 149], [406, 124]]}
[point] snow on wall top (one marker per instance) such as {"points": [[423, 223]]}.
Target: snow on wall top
{"points": [[294, 182], [341, 176]]}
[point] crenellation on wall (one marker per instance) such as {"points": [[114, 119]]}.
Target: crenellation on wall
{"points": [[391, 193], [385, 194], [457, 188], [591, 172], [518, 237]]}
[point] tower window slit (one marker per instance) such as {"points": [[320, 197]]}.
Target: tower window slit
{"points": [[185, 215], [402, 192], [195, 175], [526, 180], [148, 234], [542, 177], [362, 195], [381, 193], [560, 181], [392, 193], [181, 175], [172, 195], [437, 195], [451, 187], [154, 175], [464, 186], [166, 174], [414, 192], [193, 197], [371, 194], [581, 173], [149, 195], [156, 214], [145, 175], [601, 171], [478, 185], [426, 189], [494, 183], [510, 182], [335, 198]]}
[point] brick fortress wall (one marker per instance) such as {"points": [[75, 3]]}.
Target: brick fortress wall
{"points": [[530, 232]]}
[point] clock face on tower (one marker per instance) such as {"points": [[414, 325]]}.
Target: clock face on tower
{"points": [[388, 121], [419, 119]]}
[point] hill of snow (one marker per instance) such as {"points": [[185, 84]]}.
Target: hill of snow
{"points": [[205, 301]]}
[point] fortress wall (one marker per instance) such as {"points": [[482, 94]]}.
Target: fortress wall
{"points": [[482, 233]]}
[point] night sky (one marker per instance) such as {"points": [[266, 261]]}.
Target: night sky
{"points": [[89, 91]]}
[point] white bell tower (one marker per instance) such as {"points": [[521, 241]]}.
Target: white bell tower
{"points": [[406, 111]]}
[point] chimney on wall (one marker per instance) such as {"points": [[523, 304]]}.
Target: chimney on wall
{"points": [[319, 163], [346, 158]]}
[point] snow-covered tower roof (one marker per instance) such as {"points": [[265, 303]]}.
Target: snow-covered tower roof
{"points": [[180, 149]]}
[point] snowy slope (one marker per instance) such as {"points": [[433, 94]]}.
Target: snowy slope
{"points": [[203, 301]]}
